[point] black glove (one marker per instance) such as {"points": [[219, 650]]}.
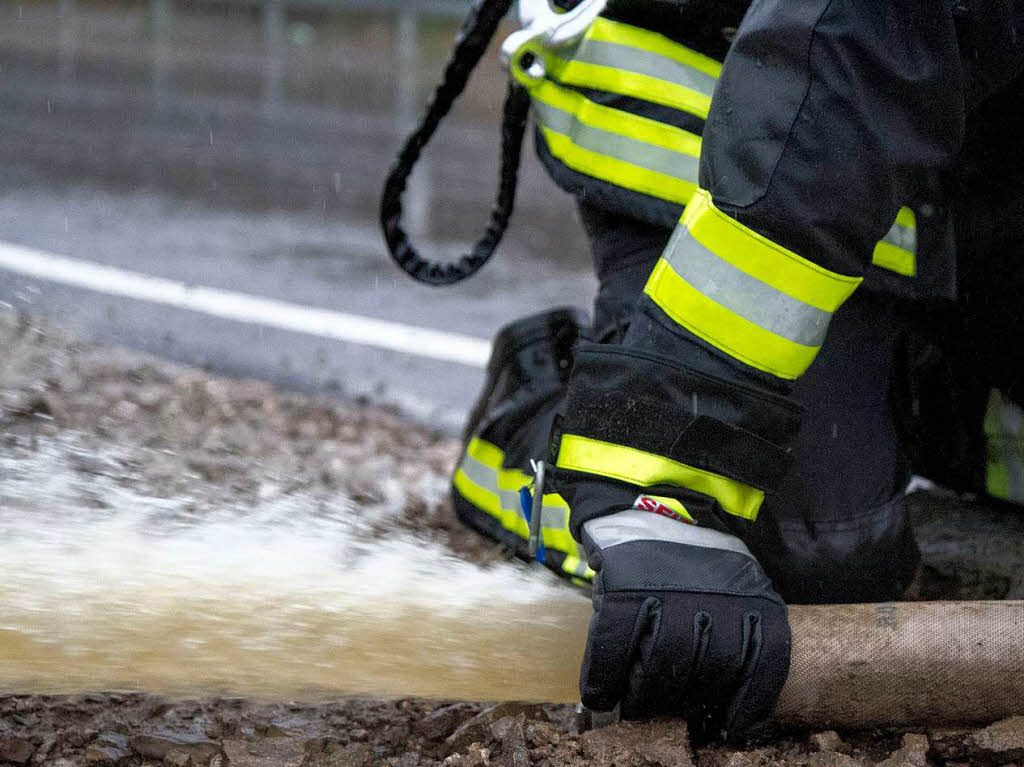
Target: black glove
{"points": [[685, 624]]}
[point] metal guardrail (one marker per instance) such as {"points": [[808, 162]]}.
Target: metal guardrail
{"points": [[446, 8]]}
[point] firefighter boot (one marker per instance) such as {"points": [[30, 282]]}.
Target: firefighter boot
{"points": [[509, 426]]}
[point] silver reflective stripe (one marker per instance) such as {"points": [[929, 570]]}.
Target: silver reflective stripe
{"points": [[644, 62], [487, 478], [903, 237], [654, 158], [627, 526], [553, 517], [742, 294]]}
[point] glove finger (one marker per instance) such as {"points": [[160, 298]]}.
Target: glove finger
{"points": [[619, 622], [766, 655], [667, 659], [643, 673]]}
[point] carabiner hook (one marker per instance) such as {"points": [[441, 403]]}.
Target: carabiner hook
{"points": [[542, 24]]}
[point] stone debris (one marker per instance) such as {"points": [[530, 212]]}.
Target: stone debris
{"points": [[16, 750], [912, 753], [268, 752], [477, 728], [655, 744], [181, 433], [159, 745], [828, 741], [440, 723], [1002, 742]]}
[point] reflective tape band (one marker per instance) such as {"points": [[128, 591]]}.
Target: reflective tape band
{"points": [[633, 152], [758, 302], [638, 467], [897, 251], [482, 481], [652, 157], [743, 294], [628, 526], [606, 30], [1004, 435], [640, 72]]}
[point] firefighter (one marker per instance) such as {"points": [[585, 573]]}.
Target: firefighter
{"points": [[788, 271]]}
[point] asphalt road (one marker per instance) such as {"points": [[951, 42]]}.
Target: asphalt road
{"points": [[218, 191]]}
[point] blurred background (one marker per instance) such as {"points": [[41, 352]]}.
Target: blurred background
{"points": [[241, 145]]}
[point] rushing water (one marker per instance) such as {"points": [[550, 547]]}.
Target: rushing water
{"points": [[269, 601]]}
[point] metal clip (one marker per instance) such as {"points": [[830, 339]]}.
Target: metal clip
{"points": [[535, 540], [543, 25]]}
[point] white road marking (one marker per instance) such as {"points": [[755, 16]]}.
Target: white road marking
{"points": [[227, 304]]}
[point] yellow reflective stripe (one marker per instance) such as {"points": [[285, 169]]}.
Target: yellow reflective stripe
{"points": [[573, 565], [615, 120], [763, 259], [906, 217], [487, 501], [627, 60], [610, 31], [486, 453], [618, 172], [644, 469], [897, 251], [894, 259], [758, 302], [635, 84], [725, 329], [510, 516]]}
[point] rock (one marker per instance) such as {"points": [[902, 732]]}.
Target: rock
{"points": [[475, 757], [108, 748], [948, 743], [439, 724], [272, 752], [44, 749], [542, 734], [828, 741], [100, 754], [477, 728], [913, 752], [833, 759], [647, 744], [352, 755], [158, 745], [16, 750], [177, 758], [1002, 741], [510, 732]]}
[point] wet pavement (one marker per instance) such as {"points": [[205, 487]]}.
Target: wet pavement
{"points": [[208, 160]]}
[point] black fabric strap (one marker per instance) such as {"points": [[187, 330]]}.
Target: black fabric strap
{"points": [[471, 43]]}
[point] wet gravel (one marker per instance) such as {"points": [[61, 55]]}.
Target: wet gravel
{"points": [[172, 432]]}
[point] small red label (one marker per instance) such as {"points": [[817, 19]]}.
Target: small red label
{"points": [[658, 506]]}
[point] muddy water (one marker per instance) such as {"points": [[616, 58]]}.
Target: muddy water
{"points": [[277, 606]]}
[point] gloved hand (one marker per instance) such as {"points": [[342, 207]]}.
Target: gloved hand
{"points": [[685, 623]]}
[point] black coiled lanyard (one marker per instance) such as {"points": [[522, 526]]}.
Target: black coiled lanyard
{"points": [[474, 36]]}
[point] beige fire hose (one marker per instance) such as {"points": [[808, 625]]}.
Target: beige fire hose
{"points": [[853, 665]]}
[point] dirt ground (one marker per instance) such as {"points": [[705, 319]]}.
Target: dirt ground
{"points": [[172, 432]]}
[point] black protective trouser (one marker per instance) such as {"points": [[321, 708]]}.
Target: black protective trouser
{"points": [[835, 529], [828, 116]]}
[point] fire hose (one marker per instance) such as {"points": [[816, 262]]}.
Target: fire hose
{"points": [[855, 666]]}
